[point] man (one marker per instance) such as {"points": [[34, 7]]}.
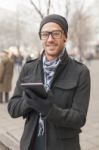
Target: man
{"points": [[53, 122]]}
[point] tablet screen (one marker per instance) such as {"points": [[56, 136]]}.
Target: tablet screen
{"points": [[38, 88]]}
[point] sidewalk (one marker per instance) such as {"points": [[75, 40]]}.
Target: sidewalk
{"points": [[90, 135], [11, 129]]}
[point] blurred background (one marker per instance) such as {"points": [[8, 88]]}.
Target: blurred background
{"points": [[19, 24], [19, 41]]}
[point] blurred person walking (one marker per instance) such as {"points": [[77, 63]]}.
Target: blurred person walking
{"points": [[6, 74]]}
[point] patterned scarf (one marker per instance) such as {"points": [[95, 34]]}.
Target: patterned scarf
{"points": [[49, 70]]}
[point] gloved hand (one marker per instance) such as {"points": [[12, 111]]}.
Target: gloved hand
{"points": [[37, 103]]}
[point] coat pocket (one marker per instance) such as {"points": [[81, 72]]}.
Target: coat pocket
{"points": [[64, 92], [65, 84]]}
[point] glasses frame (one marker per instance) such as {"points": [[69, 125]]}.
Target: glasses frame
{"points": [[51, 33]]}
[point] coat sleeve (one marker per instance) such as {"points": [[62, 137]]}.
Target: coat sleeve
{"points": [[75, 117], [17, 105]]}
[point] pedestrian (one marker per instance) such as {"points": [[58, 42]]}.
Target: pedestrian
{"points": [[6, 74], [53, 122]]}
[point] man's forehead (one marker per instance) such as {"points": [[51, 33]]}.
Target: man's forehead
{"points": [[51, 26]]}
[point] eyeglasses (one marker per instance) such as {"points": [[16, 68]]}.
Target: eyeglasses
{"points": [[56, 34]]}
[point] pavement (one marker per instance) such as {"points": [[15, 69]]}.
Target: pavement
{"points": [[11, 129], [3, 147]]}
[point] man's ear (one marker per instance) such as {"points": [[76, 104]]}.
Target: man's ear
{"points": [[65, 39]]}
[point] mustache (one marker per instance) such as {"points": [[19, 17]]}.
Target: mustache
{"points": [[50, 44]]}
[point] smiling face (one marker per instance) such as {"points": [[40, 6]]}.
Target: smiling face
{"points": [[52, 45]]}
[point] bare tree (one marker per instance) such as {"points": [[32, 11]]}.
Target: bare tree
{"points": [[81, 32], [14, 31], [39, 8], [80, 27], [48, 8], [67, 8], [79, 19]]}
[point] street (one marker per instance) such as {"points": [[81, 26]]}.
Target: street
{"points": [[2, 147]]}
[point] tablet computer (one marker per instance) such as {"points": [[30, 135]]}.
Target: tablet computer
{"points": [[37, 88]]}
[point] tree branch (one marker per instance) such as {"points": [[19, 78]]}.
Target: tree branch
{"points": [[48, 8], [35, 7]]}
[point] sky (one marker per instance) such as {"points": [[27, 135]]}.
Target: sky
{"points": [[9, 4], [12, 4]]}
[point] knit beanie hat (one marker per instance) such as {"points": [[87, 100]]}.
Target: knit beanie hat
{"points": [[60, 20]]}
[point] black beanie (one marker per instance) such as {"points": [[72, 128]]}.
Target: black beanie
{"points": [[60, 20]]}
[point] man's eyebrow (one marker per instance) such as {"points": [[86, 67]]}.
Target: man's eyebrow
{"points": [[52, 30]]}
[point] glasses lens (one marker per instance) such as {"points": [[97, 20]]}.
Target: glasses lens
{"points": [[56, 34], [44, 35]]}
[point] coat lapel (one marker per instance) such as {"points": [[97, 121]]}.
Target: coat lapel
{"points": [[34, 73], [60, 68]]}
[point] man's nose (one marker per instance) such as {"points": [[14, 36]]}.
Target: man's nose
{"points": [[50, 38]]}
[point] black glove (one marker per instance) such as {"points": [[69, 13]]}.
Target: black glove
{"points": [[37, 103]]}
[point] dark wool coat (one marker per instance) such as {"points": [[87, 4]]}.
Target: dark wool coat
{"points": [[71, 89]]}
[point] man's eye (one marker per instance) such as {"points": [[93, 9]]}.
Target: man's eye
{"points": [[56, 33], [44, 34]]}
